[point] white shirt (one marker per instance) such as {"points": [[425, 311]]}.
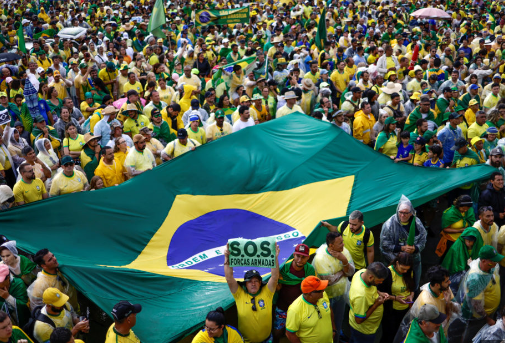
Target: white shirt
{"points": [[239, 124]]}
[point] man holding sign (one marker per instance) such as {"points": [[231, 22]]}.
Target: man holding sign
{"points": [[254, 299]]}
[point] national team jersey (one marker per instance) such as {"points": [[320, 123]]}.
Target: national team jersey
{"points": [[430, 163], [113, 336], [29, 192]]}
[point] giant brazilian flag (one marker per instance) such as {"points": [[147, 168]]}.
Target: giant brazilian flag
{"points": [[158, 239]]}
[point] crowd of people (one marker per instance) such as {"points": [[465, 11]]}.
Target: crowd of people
{"points": [[92, 112]]}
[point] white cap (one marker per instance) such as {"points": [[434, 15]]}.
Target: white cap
{"points": [[40, 70]]}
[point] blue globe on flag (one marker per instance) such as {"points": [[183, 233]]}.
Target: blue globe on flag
{"points": [[204, 17]]}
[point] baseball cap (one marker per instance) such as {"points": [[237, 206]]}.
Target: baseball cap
{"points": [[111, 65], [145, 129], [182, 133], [40, 70], [39, 119], [420, 140], [123, 67], [56, 72], [194, 117], [454, 115], [473, 86], [430, 313], [53, 296], [489, 253], [356, 89], [67, 159], [312, 283], [460, 142], [4, 272], [496, 152], [338, 113], [195, 103], [219, 114], [492, 130], [83, 65], [124, 308], [3, 94], [137, 138], [244, 98], [300, 249], [88, 95], [390, 120], [472, 102], [251, 274]]}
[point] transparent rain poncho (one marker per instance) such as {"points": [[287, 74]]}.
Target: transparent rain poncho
{"points": [[45, 281]]}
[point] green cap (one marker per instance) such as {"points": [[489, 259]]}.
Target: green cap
{"points": [[39, 119], [88, 95], [219, 114], [488, 252], [195, 71], [454, 88], [390, 120], [459, 108], [83, 65], [41, 52], [110, 65], [429, 134]]}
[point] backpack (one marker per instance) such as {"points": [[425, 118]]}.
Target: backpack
{"points": [[29, 327], [366, 236]]}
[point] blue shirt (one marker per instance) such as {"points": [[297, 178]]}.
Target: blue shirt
{"points": [[404, 151], [430, 164]]}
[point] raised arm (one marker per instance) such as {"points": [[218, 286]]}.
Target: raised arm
{"points": [[274, 278], [228, 272]]}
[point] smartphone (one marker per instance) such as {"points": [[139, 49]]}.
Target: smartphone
{"points": [[409, 302]]}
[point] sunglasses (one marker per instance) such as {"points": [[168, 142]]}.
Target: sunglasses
{"points": [[253, 302], [157, 115], [68, 164], [319, 315]]}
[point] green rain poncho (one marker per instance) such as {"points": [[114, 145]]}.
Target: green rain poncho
{"points": [[456, 259]]}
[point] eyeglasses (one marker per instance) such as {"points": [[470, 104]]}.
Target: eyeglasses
{"points": [[210, 329], [253, 302], [404, 213], [68, 164]]}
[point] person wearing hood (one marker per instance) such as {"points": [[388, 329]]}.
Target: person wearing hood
{"points": [[363, 124], [21, 129], [6, 198], [190, 93], [19, 265], [404, 231], [102, 128], [254, 322], [41, 130], [16, 142], [455, 220], [7, 167], [496, 332]]}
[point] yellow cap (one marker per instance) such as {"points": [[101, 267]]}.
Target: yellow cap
{"points": [[3, 94], [471, 103], [476, 140], [244, 98], [53, 296], [416, 96]]}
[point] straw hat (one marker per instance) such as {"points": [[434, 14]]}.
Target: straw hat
{"points": [[391, 88], [88, 137], [290, 95], [109, 110], [308, 84]]}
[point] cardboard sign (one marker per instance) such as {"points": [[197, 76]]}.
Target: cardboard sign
{"points": [[252, 253]]}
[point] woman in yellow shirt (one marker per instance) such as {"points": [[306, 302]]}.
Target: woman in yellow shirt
{"points": [[400, 285], [387, 140], [120, 152], [455, 220], [166, 92], [73, 143]]}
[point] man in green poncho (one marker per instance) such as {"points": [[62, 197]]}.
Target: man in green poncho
{"points": [[421, 111], [427, 327], [13, 297], [291, 276]]}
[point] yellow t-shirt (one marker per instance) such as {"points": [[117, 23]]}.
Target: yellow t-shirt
{"points": [[175, 148], [214, 132], [84, 106], [113, 336], [42, 331], [107, 76], [362, 297], [340, 80], [134, 125], [60, 88], [111, 174], [326, 265], [203, 337], [312, 77], [198, 136], [121, 80], [457, 225], [140, 160], [166, 95], [76, 144], [7, 164], [63, 184], [491, 100], [137, 86], [491, 294], [398, 288], [414, 86], [390, 148], [419, 159], [390, 63], [487, 237], [354, 243], [350, 71], [476, 130], [303, 319], [29, 192], [470, 116], [255, 326]]}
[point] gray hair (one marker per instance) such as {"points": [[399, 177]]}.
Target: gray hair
{"points": [[356, 215]]}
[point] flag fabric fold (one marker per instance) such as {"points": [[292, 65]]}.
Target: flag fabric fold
{"points": [[21, 39], [321, 34], [166, 251]]}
